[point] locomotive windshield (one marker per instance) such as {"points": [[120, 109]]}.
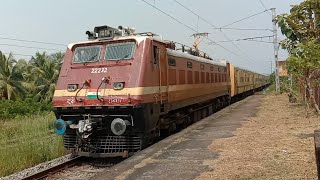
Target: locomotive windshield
{"points": [[119, 51], [87, 54]]}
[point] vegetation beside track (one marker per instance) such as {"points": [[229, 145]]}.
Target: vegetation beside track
{"points": [[26, 141], [26, 90]]}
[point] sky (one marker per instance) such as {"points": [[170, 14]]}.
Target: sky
{"points": [[61, 22]]}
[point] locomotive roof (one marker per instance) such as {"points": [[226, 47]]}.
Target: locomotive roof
{"points": [[196, 58], [138, 38]]}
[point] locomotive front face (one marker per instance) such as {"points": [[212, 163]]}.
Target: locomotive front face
{"points": [[98, 100], [95, 74]]}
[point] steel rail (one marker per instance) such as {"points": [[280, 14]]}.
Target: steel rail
{"points": [[52, 170]]}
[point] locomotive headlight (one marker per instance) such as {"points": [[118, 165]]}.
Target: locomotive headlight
{"points": [[118, 85], [119, 126], [72, 87]]}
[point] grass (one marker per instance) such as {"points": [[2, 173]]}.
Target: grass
{"points": [[26, 141]]}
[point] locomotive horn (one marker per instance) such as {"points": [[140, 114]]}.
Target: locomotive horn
{"points": [[60, 126]]}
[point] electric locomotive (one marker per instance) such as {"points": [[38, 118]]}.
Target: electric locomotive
{"points": [[117, 91]]}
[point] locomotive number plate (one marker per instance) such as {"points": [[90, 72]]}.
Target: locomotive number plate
{"points": [[99, 70]]}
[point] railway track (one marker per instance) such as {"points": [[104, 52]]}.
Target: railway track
{"points": [[75, 168], [57, 168]]}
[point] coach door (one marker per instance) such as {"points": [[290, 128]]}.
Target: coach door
{"points": [[160, 60]]}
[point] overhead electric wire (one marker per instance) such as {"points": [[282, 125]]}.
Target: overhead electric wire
{"points": [[244, 18], [188, 26], [18, 54], [29, 47], [245, 29], [265, 7], [213, 42], [32, 41], [214, 27], [260, 41], [248, 38]]}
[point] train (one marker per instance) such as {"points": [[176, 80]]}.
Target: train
{"points": [[119, 91]]}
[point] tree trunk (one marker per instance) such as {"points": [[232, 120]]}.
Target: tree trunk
{"points": [[311, 95]]}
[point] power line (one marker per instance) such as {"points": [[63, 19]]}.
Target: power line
{"points": [[265, 7], [188, 27], [245, 29], [260, 41], [248, 38], [32, 41], [169, 16], [214, 27], [213, 42], [244, 18], [29, 47], [18, 54]]}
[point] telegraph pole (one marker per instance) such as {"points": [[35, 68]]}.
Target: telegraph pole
{"points": [[276, 49]]}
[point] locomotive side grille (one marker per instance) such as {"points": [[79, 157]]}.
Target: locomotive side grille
{"points": [[105, 144]]}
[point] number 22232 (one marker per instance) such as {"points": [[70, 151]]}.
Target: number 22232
{"points": [[99, 70]]}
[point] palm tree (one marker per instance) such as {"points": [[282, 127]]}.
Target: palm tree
{"points": [[12, 82], [45, 72], [58, 59]]}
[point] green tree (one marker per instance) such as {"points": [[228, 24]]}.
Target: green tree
{"points": [[12, 82], [301, 28], [45, 70]]}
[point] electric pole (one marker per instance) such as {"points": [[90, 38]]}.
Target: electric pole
{"points": [[276, 49]]}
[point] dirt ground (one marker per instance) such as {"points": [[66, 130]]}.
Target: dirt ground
{"points": [[275, 144]]}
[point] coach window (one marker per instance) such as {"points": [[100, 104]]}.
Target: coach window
{"points": [[155, 55], [189, 64], [171, 62], [201, 66]]}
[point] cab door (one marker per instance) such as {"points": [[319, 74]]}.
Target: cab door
{"points": [[161, 64]]}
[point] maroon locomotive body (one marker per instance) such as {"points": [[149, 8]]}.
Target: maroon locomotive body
{"points": [[117, 91]]}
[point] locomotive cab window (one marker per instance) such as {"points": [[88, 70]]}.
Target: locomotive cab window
{"points": [[86, 54], [119, 51]]}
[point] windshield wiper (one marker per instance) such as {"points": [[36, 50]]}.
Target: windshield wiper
{"points": [[90, 60], [126, 56]]}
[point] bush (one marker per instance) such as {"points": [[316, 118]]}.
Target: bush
{"points": [[28, 141], [10, 109]]}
